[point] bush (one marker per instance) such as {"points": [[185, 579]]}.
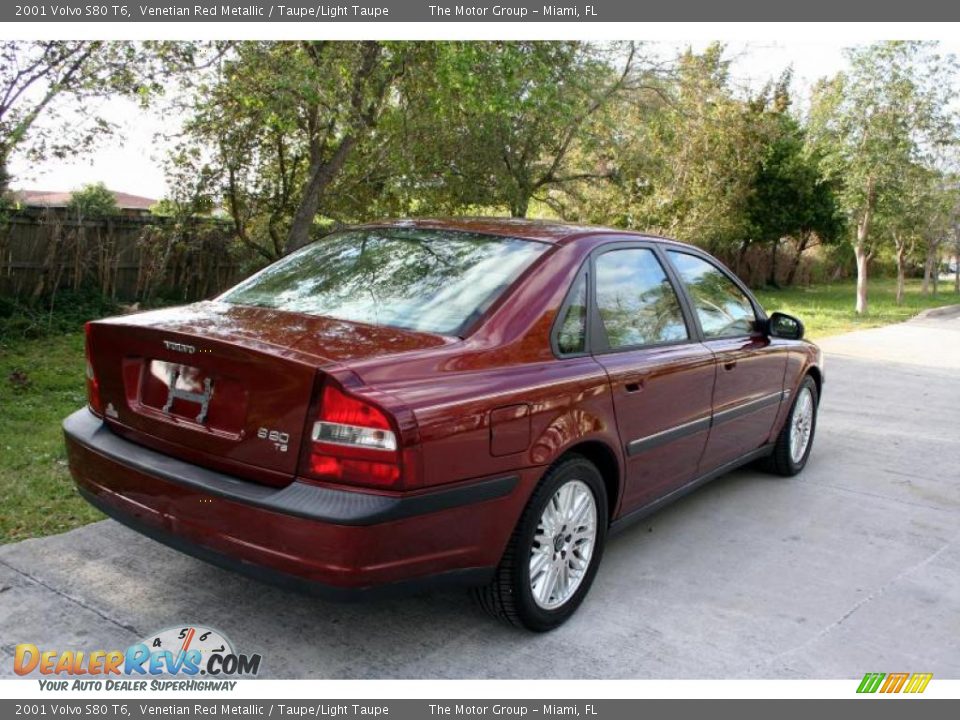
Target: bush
{"points": [[92, 202], [64, 312]]}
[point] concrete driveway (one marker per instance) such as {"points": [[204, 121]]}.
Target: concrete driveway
{"points": [[853, 566]]}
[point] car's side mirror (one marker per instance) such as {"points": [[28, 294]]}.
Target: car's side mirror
{"points": [[784, 326]]}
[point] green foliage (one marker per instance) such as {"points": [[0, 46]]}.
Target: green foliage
{"points": [[875, 125], [61, 81], [789, 194], [348, 131], [889, 111], [919, 213], [93, 202], [64, 313], [506, 123], [274, 127], [687, 163], [288, 140]]}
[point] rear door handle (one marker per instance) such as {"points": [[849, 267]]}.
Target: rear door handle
{"points": [[729, 364], [634, 385]]}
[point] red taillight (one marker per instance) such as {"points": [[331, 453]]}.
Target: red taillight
{"points": [[352, 441], [338, 407], [93, 385]]}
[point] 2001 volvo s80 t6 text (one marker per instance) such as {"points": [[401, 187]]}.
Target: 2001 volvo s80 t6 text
{"points": [[408, 404]]}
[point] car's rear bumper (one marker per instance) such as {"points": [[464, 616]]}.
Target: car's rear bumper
{"points": [[324, 540]]}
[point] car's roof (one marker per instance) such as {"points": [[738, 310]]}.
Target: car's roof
{"points": [[550, 231]]}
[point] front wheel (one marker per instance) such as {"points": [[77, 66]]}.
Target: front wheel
{"points": [[553, 554], [793, 445]]}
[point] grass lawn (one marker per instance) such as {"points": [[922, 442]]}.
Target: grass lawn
{"points": [[829, 309], [41, 382]]}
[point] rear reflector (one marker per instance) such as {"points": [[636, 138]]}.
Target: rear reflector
{"points": [[353, 442]]}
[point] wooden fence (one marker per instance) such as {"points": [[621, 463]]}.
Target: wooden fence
{"points": [[127, 258]]}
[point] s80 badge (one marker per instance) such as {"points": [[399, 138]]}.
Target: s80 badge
{"points": [[279, 439]]}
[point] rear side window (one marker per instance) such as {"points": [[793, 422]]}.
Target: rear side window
{"points": [[436, 281], [637, 303], [572, 335], [721, 306]]}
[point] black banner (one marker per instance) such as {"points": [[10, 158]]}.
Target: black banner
{"points": [[111, 709], [298, 11]]}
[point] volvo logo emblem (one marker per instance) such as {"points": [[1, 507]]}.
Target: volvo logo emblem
{"points": [[179, 347]]}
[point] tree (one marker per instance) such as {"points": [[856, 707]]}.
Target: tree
{"points": [[512, 122], [693, 157], [788, 197], [899, 214], [915, 215], [273, 131], [821, 220], [92, 201], [956, 254], [874, 121], [688, 157], [49, 90], [941, 206]]}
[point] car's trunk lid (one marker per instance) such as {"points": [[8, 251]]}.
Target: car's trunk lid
{"points": [[227, 386]]}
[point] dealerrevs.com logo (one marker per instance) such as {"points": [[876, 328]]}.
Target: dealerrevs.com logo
{"points": [[186, 651], [894, 682]]}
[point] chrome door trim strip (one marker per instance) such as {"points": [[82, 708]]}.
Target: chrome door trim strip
{"points": [[663, 437], [649, 442], [747, 408]]}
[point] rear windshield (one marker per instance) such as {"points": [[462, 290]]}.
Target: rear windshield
{"points": [[436, 281]]}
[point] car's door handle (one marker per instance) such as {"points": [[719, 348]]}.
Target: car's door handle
{"points": [[634, 386], [729, 364]]}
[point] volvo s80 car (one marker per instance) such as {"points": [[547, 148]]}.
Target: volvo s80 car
{"points": [[418, 403]]}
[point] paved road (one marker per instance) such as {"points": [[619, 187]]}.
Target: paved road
{"points": [[852, 566]]}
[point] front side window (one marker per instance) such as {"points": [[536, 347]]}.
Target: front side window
{"points": [[436, 281], [721, 306], [637, 303]]}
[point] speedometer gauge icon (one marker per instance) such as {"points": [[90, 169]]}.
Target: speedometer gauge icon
{"points": [[180, 640]]}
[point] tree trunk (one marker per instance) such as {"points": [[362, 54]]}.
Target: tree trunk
{"points": [[4, 173], [319, 177], [901, 267], [520, 206], [956, 266], [741, 254], [795, 264], [322, 171], [862, 259], [935, 270], [860, 246], [772, 279], [927, 271]]}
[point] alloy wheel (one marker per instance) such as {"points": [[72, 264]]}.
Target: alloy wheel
{"points": [[563, 544], [801, 425]]}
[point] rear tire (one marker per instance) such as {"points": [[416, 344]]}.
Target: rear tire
{"points": [[554, 552], [793, 445]]}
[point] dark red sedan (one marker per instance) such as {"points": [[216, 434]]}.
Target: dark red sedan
{"points": [[419, 403]]}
